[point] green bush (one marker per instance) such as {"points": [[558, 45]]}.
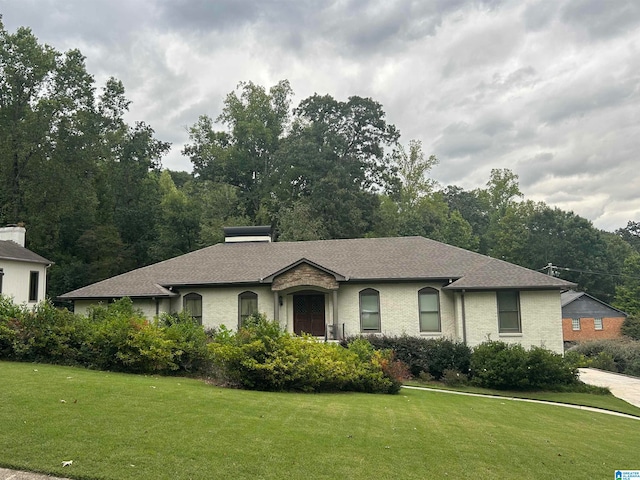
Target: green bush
{"points": [[510, 366], [189, 342], [631, 327], [262, 356], [433, 356], [620, 355]]}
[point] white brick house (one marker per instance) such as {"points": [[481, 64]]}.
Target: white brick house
{"points": [[23, 273], [335, 288]]}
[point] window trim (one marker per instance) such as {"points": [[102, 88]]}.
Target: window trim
{"points": [[430, 291], [575, 324], [501, 329], [189, 297], [246, 295], [598, 324], [34, 285], [369, 292]]}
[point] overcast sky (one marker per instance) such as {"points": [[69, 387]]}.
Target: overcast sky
{"points": [[548, 89]]}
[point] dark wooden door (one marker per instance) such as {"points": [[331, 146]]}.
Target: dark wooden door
{"points": [[308, 314]]}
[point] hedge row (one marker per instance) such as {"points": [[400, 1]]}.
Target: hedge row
{"points": [[491, 365], [115, 337], [263, 356]]}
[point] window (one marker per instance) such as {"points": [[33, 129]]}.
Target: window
{"points": [[597, 323], [509, 312], [247, 306], [193, 306], [575, 323], [370, 310], [33, 286], [429, 310], [1, 275]]}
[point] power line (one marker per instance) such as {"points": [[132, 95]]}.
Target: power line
{"points": [[552, 270]]}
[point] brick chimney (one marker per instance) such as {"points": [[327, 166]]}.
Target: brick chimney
{"points": [[14, 233]]}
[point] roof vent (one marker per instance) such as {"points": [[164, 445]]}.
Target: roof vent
{"points": [[261, 233], [14, 233]]}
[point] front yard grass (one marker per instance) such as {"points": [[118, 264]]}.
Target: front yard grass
{"points": [[597, 400], [117, 426]]}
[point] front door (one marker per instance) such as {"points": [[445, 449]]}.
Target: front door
{"points": [[308, 314]]}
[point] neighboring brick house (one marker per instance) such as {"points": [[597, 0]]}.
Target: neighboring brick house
{"points": [[335, 288], [23, 273], [586, 318]]}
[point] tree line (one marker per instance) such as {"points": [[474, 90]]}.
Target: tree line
{"points": [[91, 190]]}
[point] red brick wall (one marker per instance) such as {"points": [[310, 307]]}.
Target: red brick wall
{"points": [[610, 329]]}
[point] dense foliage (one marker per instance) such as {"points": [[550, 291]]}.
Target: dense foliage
{"points": [[90, 188], [616, 355], [262, 356], [115, 337], [423, 355], [510, 366]]}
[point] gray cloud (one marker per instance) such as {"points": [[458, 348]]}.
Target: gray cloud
{"points": [[546, 88]]}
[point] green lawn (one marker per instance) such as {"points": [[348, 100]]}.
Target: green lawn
{"points": [[117, 426], [606, 402]]}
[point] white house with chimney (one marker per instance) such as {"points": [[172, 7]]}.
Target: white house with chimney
{"points": [[23, 273]]}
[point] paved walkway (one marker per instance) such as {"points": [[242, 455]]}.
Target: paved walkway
{"points": [[622, 386]]}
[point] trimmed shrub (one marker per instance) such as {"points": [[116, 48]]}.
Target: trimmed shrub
{"points": [[499, 365], [433, 356], [509, 366]]}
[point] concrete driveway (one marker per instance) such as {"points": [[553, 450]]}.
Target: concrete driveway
{"points": [[622, 386], [6, 474]]}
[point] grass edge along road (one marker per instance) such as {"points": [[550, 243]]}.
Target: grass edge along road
{"points": [[118, 426]]}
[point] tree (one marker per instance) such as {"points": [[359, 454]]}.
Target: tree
{"points": [[627, 296], [413, 169], [631, 234], [242, 156], [334, 161]]}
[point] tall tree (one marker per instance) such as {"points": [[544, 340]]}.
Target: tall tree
{"points": [[627, 296], [242, 155], [334, 160]]}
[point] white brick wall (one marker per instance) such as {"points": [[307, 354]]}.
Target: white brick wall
{"points": [[16, 279], [540, 312], [541, 318]]}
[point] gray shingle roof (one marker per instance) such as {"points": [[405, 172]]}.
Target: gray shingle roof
{"points": [[365, 259], [12, 251]]}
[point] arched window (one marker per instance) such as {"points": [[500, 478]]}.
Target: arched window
{"points": [[193, 305], [370, 310], [247, 306], [429, 302]]}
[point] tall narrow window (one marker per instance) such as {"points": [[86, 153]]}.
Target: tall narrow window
{"points": [[429, 310], [575, 324], [247, 306], [193, 305], [509, 312], [370, 310], [1, 275], [597, 323], [33, 286]]}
